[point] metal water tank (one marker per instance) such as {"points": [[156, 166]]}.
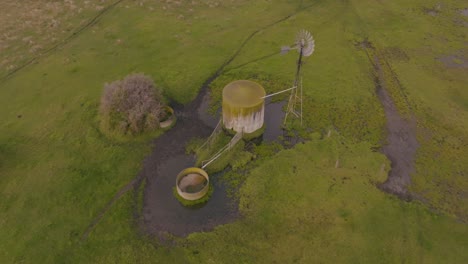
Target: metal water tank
{"points": [[243, 106]]}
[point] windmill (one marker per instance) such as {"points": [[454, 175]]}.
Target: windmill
{"points": [[305, 45]]}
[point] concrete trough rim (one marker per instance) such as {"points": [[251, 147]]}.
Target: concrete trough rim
{"points": [[193, 196], [168, 122]]}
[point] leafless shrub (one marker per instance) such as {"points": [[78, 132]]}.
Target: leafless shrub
{"points": [[131, 106]]}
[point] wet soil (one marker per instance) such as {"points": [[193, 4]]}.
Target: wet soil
{"points": [[162, 213], [274, 117], [432, 12], [454, 61], [400, 148], [464, 12], [401, 144]]}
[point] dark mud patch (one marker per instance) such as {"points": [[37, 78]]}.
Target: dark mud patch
{"points": [[364, 44], [434, 11], [203, 111], [454, 61], [162, 213], [400, 148], [401, 144], [464, 12], [395, 54], [274, 117], [431, 12]]}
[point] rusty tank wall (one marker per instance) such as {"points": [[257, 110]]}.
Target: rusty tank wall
{"points": [[243, 106]]}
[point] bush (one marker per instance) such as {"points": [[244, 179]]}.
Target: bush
{"points": [[131, 106]]}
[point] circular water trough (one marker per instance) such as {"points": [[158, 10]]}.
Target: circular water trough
{"points": [[192, 183], [170, 119]]}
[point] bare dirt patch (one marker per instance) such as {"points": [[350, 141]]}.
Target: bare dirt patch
{"points": [[454, 61]]}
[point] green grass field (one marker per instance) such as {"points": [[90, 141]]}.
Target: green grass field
{"points": [[58, 171]]}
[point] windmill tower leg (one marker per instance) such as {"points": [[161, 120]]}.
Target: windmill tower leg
{"points": [[290, 108], [300, 99]]}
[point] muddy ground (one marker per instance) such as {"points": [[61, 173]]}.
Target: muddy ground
{"points": [[454, 61], [162, 213], [400, 148], [401, 143]]}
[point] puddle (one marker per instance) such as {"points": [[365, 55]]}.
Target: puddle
{"points": [[204, 116], [274, 117]]}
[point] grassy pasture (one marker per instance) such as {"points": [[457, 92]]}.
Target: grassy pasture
{"points": [[57, 171], [31, 27]]}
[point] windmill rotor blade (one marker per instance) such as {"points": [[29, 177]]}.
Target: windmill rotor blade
{"points": [[309, 49], [306, 42]]}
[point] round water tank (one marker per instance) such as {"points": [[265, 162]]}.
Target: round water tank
{"points": [[192, 183], [243, 106]]}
